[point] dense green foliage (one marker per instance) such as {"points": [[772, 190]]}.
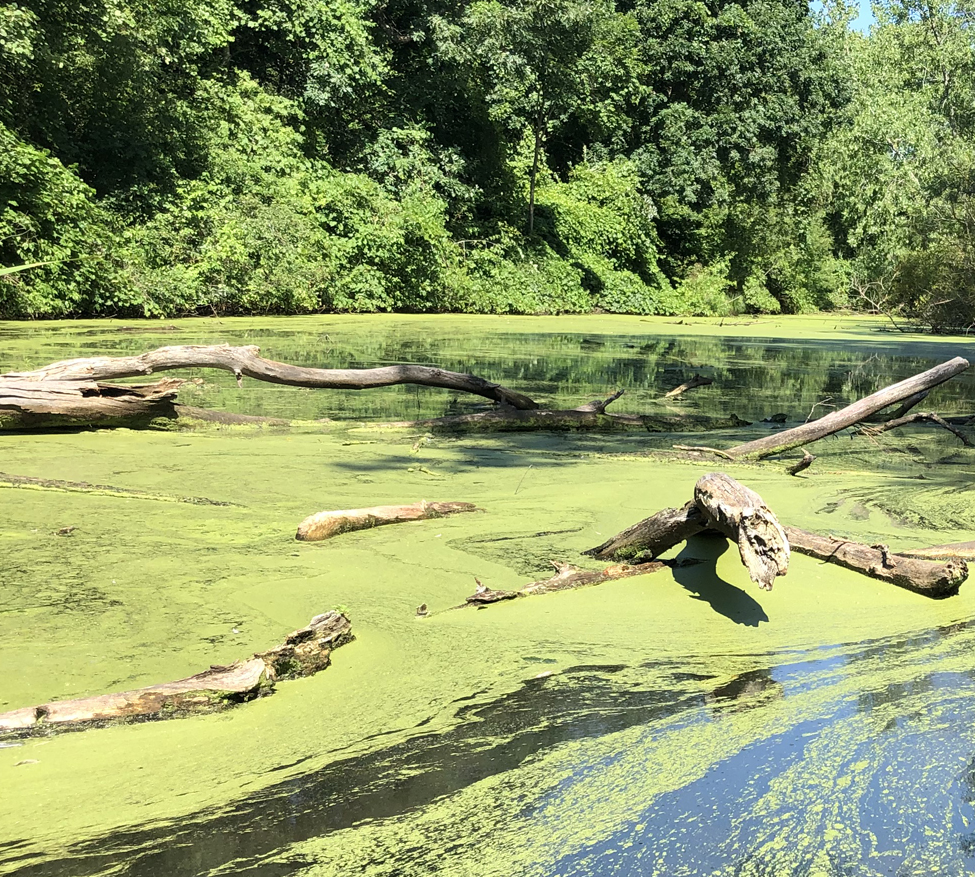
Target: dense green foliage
{"points": [[509, 156]]}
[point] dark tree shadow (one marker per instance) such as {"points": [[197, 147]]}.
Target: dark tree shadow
{"points": [[704, 583]]}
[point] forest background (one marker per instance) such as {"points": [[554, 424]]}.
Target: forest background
{"points": [[497, 156]]}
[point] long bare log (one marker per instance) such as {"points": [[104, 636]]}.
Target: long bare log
{"points": [[511, 420], [26, 404], [653, 536], [245, 362], [741, 514], [567, 577], [303, 652], [951, 551], [693, 383], [858, 411], [932, 578], [325, 525]]}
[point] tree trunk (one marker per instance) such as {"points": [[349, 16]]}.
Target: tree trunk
{"points": [[304, 652], [932, 578], [831, 423], [654, 535], [325, 525], [245, 362], [741, 514]]}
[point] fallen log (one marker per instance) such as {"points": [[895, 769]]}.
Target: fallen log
{"points": [[806, 461], [693, 383], [567, 577], [928, 577], [722, 504], [511, 420], [245, 362], [852, 414], [31, 482], [26, 404], [920, 417], [741, 515], [653, 536], [325, 525], [303, 652]]}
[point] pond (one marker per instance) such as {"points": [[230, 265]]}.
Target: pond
{"points": [[680, 723]]}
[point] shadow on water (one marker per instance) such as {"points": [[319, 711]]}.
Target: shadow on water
{"points": [[703, 582], [491, 738]]}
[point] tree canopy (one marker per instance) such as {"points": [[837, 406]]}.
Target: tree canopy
{"points": [[513, 156]]}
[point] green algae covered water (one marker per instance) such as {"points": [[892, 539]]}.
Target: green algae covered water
{"points": [[682, 723]]}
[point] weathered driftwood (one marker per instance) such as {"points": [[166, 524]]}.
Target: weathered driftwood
{"points": [[852, 414], [567, 577], [245, 362], [304, 652], [932, 578], [920, 417], [654, 535], [741, 515], [720, 503], [26, 404], [325, 525], [693, 383]]}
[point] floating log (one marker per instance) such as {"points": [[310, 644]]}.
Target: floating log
{"points": [[511, 420], [246, 362], [951, 551], [741, 515], [724, 505], [325, 525], [693, 383], [567, 577], [26, 404], [928, 577], [852, 414], [31, 482], [920, 417], [806, 461], [303, 652]]}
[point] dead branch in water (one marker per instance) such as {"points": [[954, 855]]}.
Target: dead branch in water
{"points": [[920, 417], [245, 362], [303, 652], [696, 381], [721, 503], [852, 414]]}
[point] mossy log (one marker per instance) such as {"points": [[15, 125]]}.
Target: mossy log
{"points": [[723, 505], [303, 652], [511, 420], [325, 525]]}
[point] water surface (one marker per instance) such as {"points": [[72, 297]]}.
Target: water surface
{"points": [[682, 723]]}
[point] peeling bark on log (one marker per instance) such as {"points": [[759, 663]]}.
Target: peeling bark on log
{"points": [[852, 414], [654, 535], [26, 404], [741, 514], [932, 578], [567, 577], [325, 525], [245, 362], [304, 652]]}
